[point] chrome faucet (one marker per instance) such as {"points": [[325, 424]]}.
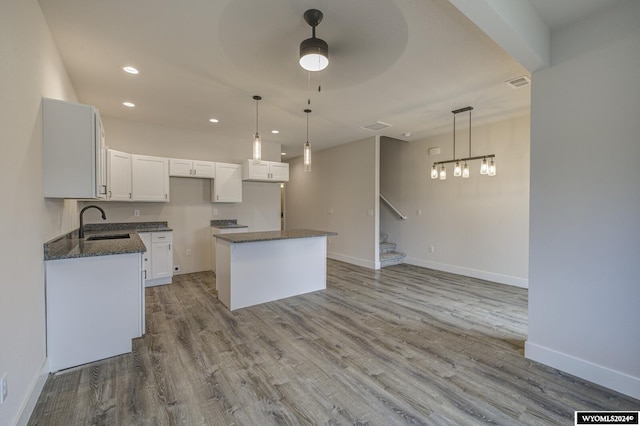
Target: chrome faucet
{"points": [[81, 230]]}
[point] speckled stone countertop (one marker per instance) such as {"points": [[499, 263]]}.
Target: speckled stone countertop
{"points": [[69, 246], [226, 224], [252, 237]]}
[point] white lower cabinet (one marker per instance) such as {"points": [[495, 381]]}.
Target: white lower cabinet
{"points": [[158, 259], [95, 306]]}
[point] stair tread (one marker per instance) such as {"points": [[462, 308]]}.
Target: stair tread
{"points": [[392, 255]]}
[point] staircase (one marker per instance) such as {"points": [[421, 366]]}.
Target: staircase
{"points": [[388, 254]]}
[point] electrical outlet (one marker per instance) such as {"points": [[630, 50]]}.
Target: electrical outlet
{"points": [[329, 211], [136, 212], [4, 390], [215, 212], [188, 252], [432, 249], [177, 268], [419, 212]]}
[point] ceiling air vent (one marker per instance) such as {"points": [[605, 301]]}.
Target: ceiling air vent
{"points": [[518, 82], [378, 125]]}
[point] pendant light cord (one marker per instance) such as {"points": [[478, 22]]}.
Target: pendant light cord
{"points": [[469, 132]]}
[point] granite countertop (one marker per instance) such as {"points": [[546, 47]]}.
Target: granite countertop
{"points": [[69, 246], [226, 224], [251, 237]]}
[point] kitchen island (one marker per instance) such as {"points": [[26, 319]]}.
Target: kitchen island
{"points": [[260, 267]]}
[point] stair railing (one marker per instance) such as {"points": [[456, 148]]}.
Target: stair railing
{"points": [[392, 207]]}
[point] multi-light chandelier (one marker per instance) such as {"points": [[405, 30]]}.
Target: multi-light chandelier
{"points": [[461, 168]]}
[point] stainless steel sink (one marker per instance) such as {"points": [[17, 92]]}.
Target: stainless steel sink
{"points": [[108, 237]]}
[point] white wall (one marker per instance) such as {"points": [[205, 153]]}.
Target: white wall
{"points": [[584, 292], [30, 68], [343, 179], [477, 226], [190, 210]]}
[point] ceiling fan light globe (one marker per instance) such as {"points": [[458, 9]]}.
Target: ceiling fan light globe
{"points": [[314, 54]]}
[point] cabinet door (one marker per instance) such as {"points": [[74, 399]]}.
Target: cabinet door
{"points": [[71, 151], [227, 185], [204, 169], [101, 158], [149, 178], [118, 176], [181, 168], [255, 171], [146, 256], [279, 172], [161, 260]]}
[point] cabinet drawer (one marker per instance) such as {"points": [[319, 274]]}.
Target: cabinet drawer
{"points": [[160, 237]]}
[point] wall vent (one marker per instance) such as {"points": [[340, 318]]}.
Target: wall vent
{"points": [[519, 82], [378, 125]]}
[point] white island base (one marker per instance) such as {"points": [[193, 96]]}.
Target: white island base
{"points": [[253, 272]]}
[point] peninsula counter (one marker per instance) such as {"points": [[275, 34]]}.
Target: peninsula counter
{"points": [[260, 267]]}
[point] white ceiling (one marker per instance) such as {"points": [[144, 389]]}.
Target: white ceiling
{"points": [[407, 63]]}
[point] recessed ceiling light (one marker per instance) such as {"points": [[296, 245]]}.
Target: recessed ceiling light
{"points": [[275, 132], [283, 153], [130, 70], [214, 120], [129, 104]]}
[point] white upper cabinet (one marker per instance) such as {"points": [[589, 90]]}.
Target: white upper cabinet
{"points": [[149, 178], [192, 168], [227, 185], [74, 150], [119, 176], [265, 171]]}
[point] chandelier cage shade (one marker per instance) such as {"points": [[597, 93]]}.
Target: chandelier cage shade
{"points": [[461, 168], [257, 140], [314, 52], [307, 146]]}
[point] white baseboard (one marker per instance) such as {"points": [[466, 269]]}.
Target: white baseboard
{"points": [[604, 376], [469, 272], [34, 393], [353, 260]]}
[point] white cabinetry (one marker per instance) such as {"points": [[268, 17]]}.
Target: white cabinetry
{"points": [[158, 259], [95, 306], [149, 178], [119, 176], [192, 168], [227, 185], [74, 150], [265, 171], [133, 177]]}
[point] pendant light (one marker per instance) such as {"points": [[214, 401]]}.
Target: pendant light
{"points": [[257, 141], [307, 147], [487, 167], [314, 52]]}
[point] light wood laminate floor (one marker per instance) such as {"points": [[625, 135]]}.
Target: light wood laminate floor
{"points": [[405, 345]]}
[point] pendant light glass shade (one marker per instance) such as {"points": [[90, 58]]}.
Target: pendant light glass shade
{"points": [[457, 170], [257, 148], [492, 168], [434, 172], [307, 147], [257, 141], [465, 170], [307, 157], [443, 173], [484, 167]]}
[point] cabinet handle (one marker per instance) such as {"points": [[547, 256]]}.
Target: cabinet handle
{"points": [[161, 238], [169, 246], [109, 194], [104, 189], [166, 196], [145, 274], [130, 195]]}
